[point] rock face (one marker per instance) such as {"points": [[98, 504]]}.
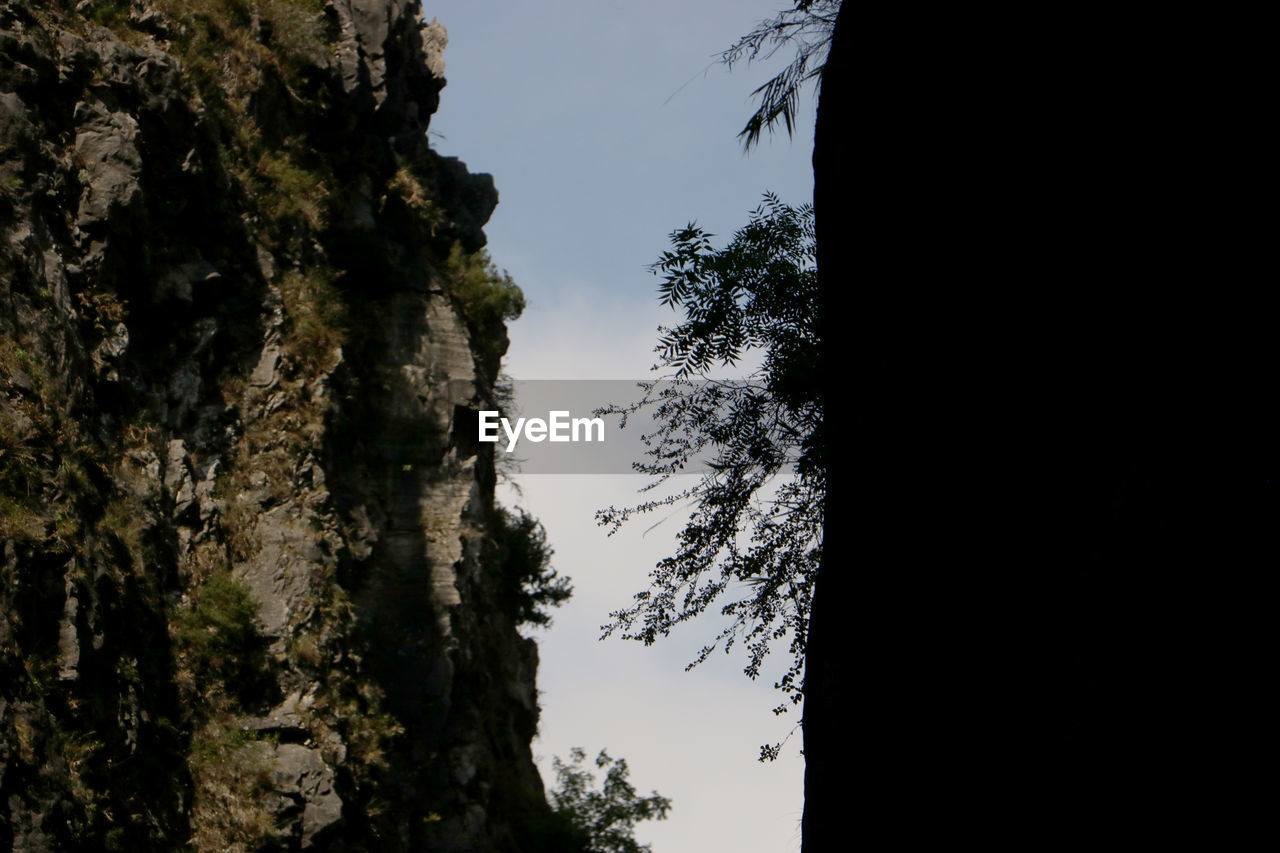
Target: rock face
{"points": [[250, 594]]}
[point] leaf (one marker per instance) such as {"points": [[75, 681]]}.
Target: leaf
{"points": [[757, 512]]}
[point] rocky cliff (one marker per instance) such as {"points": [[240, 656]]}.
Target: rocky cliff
{"points": [[255, 591]]}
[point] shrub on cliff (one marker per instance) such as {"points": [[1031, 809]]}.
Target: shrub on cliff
{"points": [[486, 295], [217, 639], [530, 585]]}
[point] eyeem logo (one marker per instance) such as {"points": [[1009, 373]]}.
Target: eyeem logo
{"points": [[558, 428]]}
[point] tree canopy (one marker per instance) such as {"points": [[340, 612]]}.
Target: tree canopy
{"points": [[529, 584], [753, 542], [605, 817]]}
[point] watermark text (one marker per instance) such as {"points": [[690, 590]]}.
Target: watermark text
{"points": [[558, 427]]}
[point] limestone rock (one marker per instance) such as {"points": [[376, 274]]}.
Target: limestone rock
{"points": [[246, 574], [306, 803], [106, 146]]}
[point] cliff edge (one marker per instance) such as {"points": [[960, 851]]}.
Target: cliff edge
{"points": [[252, 589]]}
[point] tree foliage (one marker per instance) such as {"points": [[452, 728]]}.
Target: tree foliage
{"points": [[486, 295], [755, 533], [529, 584], [607, 817], [808, 28]]}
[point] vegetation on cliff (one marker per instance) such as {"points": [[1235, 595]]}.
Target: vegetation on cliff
{"points": [[216, 285]]}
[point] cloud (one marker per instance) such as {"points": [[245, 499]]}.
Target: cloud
{"points": [[693, 736]]}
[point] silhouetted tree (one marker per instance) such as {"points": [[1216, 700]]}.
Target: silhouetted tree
{"points": [[605, 818], [807, 27], [834, 580], [529, 584], [771, 422], [764, 481]]}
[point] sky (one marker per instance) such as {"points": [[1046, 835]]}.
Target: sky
{"points": [[606, 126]]}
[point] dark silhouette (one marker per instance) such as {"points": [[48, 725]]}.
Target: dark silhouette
{"points": [[1041, 594], [834, 585]]}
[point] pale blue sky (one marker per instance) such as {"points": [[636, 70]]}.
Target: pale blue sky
{"points": [[607, 125]]}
